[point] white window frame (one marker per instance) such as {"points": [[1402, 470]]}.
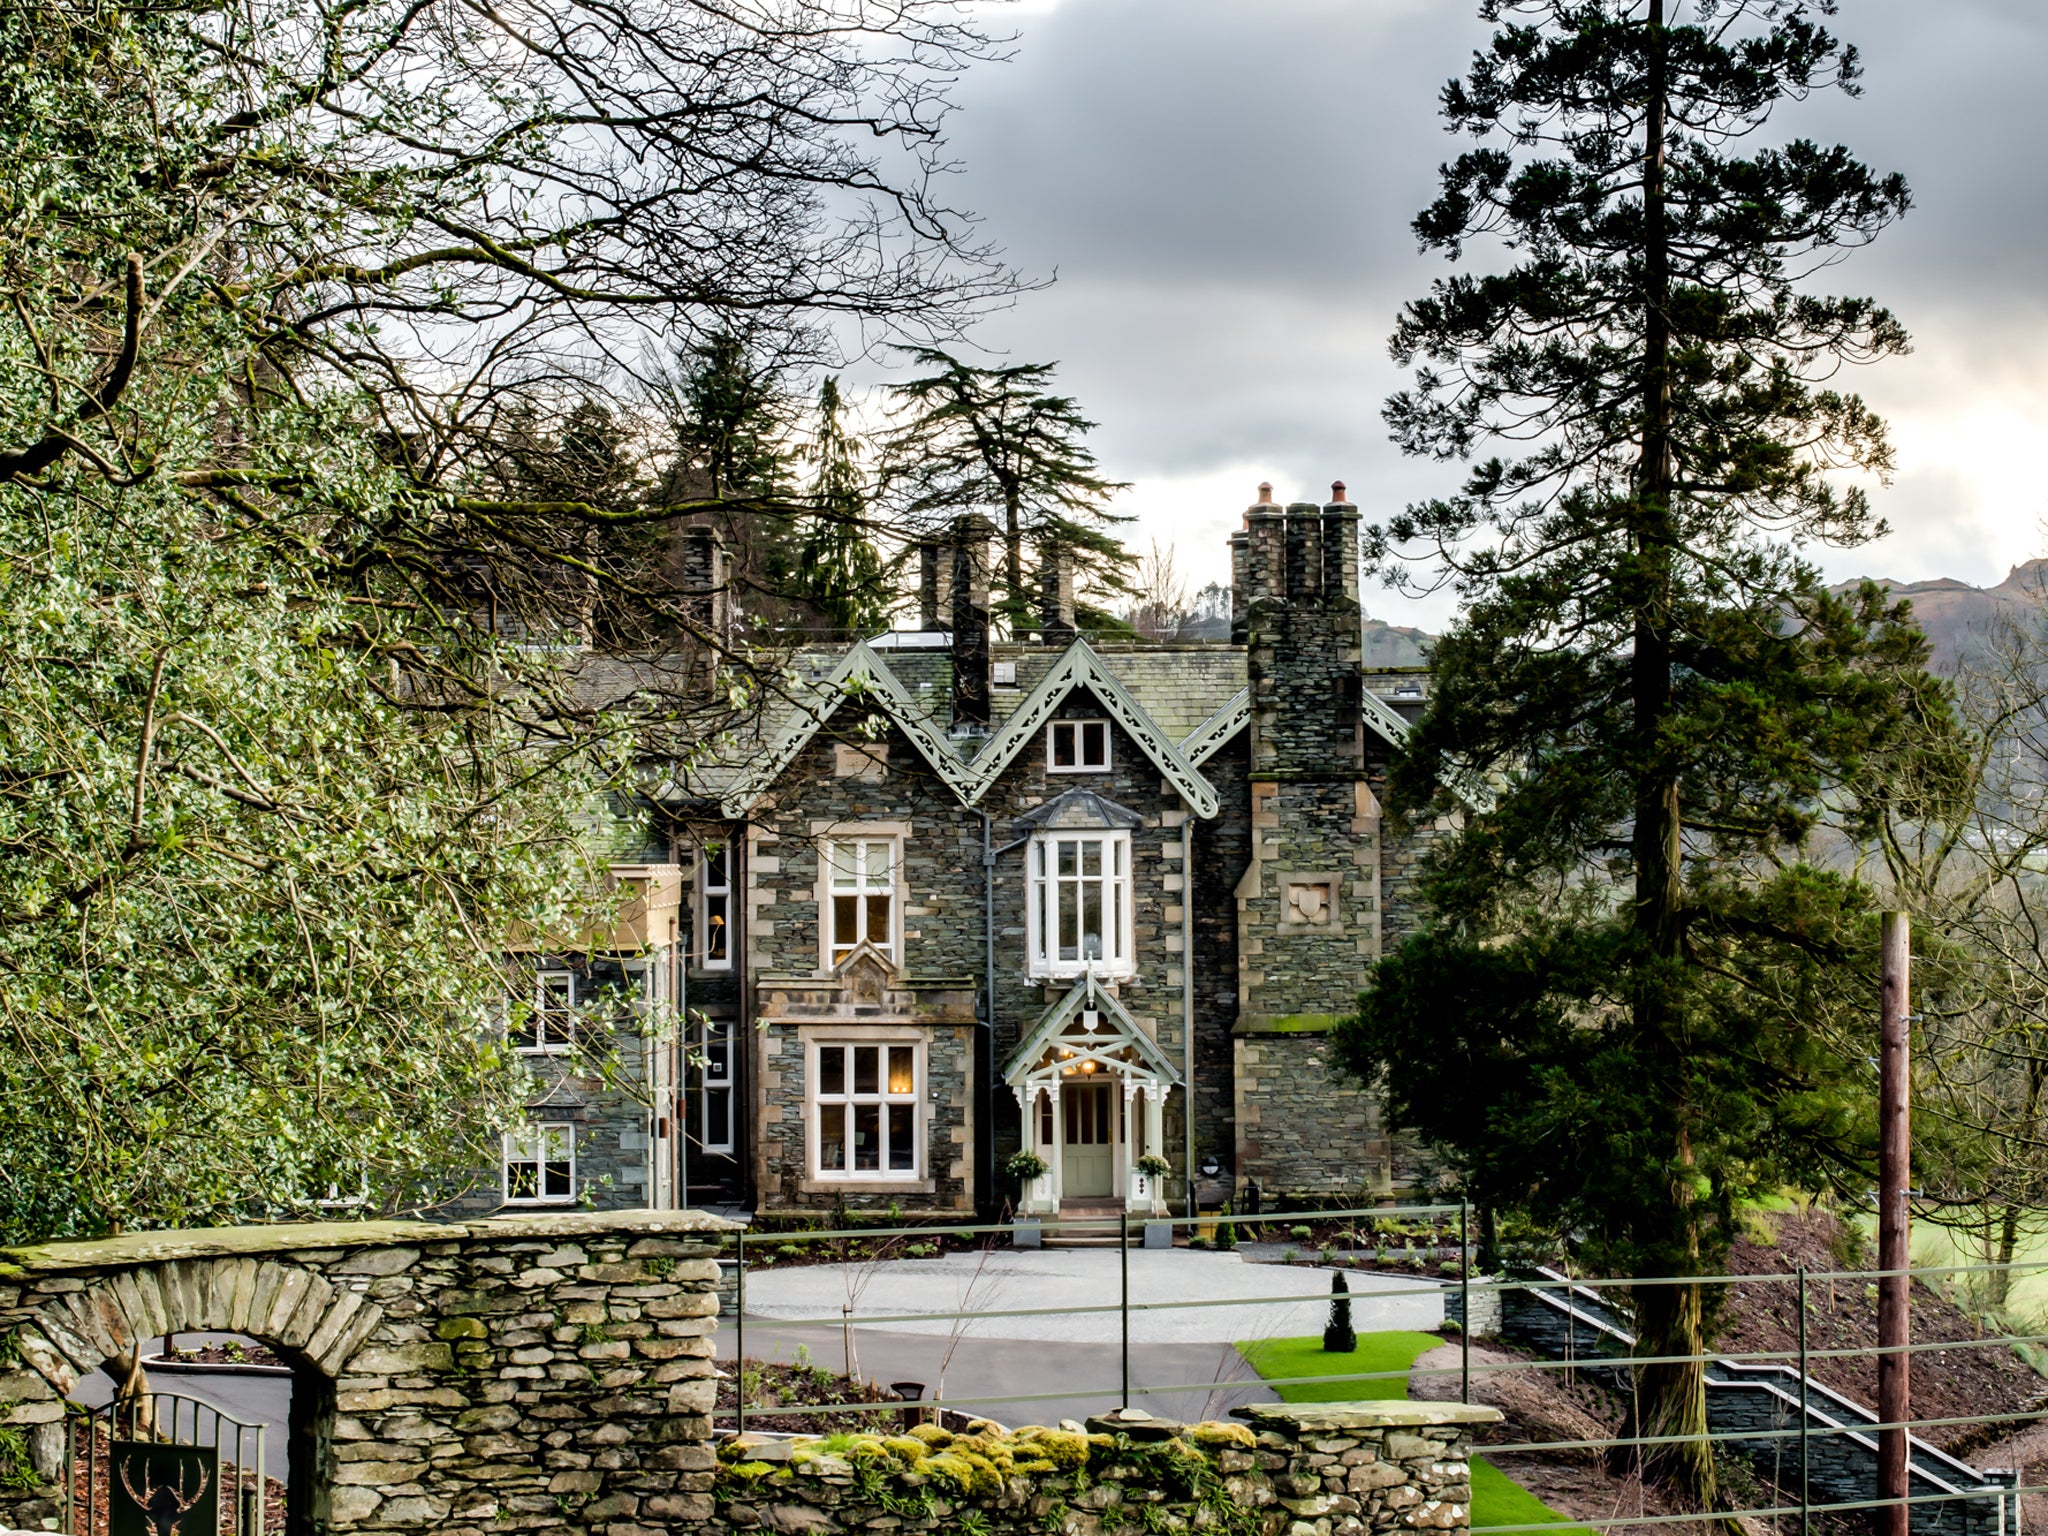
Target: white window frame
{"points": [[835, 947], [712, 894], [1078, 730], [817, 1102], [553, 1014], [712, 1085], [1042, 887], [532, 1139]]}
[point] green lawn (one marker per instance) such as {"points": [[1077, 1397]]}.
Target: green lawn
{"points": [[1496, 1498], [1280, 1358]]}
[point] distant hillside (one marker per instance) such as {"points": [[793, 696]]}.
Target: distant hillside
{"points": [[1955, 614], [1395, 645]]}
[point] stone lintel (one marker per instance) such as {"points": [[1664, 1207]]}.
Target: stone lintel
{"points": [[289, 1237], [1366, 1415]]}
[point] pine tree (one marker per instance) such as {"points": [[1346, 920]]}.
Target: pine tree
{"points": [[731, 417], [1638, 1003], [842, 571], [995, 439]]}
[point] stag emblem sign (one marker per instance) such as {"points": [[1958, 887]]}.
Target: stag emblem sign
{"points": [[164, 1490]]}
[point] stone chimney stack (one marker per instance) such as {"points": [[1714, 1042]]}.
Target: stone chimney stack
{"points": [[971, 659], [703, 573], [935, 584], [1056, 598], [1242, 579], [1295, 607]]}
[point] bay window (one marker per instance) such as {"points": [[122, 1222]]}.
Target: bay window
{"points": [[1079, 905], [864, 1109]]}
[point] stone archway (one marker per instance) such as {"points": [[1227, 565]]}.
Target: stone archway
{"points": [[555, 1364]]}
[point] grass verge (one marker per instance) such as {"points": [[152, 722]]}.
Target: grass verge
{"points": [[1497, 1499], [1277, 1359]]}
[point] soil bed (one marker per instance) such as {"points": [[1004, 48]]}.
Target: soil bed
{"points": [[1981, 1377], [775, 1384]]}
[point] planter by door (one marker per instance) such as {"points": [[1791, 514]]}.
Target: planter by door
{"points": [[1090, 1163]]}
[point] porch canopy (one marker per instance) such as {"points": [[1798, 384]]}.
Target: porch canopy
{"points": [[1088, 1033]]}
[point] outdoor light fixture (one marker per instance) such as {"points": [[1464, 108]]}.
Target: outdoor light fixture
{"points": [[1210, 1167]]}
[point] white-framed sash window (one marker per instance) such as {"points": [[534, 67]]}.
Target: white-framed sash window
{"points": [[549, 1027], [865, 1109], [1077, 746], [714, 907], [1079, 908], [714, 1049], [540, 1164], [859, 905]]}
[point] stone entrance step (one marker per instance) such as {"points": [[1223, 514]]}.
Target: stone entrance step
{"points": [[1089, 1224]]}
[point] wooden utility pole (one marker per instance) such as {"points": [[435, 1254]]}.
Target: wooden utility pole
{"points": [[1894, 1167]]}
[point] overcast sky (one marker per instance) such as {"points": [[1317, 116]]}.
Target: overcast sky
{"points": [[1223, 188]]}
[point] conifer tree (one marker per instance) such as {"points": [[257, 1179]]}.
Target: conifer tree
{"points": [[997, 440], [1638, 1003], [842, 571]]}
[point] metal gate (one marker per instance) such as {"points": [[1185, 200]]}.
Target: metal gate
{"points": [[160, 1464]]}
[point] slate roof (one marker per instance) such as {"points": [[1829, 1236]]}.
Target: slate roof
{"points": [[1181, 703]]}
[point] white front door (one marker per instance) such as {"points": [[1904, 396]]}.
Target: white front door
{"points": [[1089, 1155]]}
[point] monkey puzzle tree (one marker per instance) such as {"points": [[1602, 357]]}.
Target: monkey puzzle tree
{"points": [[1638, 1004]]}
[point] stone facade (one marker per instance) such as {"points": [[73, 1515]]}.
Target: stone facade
{"points": [[1263, 880], [1328, 1469], [547, 1373]]}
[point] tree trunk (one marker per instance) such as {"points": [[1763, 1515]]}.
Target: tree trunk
{"points": [[2008, 1242], [1013, 561], [1671, 1399]]}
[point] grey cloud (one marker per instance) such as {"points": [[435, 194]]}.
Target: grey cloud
{"points": [[1225, 189]]}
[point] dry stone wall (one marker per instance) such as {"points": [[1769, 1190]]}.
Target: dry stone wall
{"points": [[1325, 1469], [541, 1373]]}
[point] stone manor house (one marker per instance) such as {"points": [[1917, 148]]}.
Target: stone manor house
{"points": [[961, 895]]}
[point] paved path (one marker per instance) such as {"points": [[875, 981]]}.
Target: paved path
{"points": [[254, 1399], [1036, 1382], [1235, 1300], [1062, 1365]]}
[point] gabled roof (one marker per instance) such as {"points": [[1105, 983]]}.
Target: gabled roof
{"points": [[1079, 667], [860, 672], [1208, 738], [1116, 1032]]}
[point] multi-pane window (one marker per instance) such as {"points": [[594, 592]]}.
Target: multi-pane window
{"points": [[540, 1165], [714, 1052], [714, 908], [549, 1025], [1077, 746], [865, 1099], [860, 903], [1080, 904]]}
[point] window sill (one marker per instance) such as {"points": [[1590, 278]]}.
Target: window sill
{"points": [[867, 1186], [1077, 972], [539, 1202]]}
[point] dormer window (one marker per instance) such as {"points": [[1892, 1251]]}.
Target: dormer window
{"points": [[1077, 746]]}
